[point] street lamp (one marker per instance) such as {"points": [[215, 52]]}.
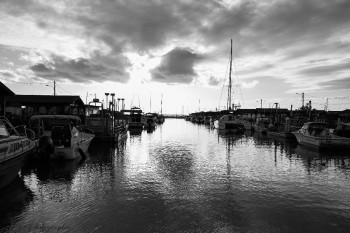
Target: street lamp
{"points": [[112, 94], [118, 103], [107, 94], [54, 87]]}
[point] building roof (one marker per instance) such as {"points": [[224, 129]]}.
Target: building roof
{"points": [[46, 99], [5, 91]]}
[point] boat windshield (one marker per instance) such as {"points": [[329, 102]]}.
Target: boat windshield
{"points": [[3, 132]]}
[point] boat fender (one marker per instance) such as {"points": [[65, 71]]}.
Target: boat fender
{"points": [[82, 154], [45, 147]]}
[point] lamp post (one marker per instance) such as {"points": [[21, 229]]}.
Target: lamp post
{"points": [[107, 94], [118, 104], [113, 112], [54, 87], [277, 118], [113, 107]]}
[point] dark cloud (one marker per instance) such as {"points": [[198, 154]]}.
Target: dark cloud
{"points": [[78, 70], [316, 49], [255, 26], [256, 69], [213, 81], [298, 28], [327, 69], [176, 67], [6, 74], [339, 84]]}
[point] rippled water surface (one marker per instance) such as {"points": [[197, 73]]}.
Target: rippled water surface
{"points": [[184, 177]]}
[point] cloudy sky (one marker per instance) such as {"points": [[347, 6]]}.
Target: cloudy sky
{"points": [[179, 49]]}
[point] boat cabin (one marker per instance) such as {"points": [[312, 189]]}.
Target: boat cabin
{"points": [[58, 127], [315, 129]]}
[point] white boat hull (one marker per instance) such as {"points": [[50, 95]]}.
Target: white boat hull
{"points": [[78, 150], [325, 142], [259, 128], [14, 149]]}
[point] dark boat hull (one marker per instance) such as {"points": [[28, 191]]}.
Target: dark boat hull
{"points": [[9, 169]]}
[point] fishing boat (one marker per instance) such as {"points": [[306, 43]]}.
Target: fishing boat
{"points": [[207, 120], [248, 123], [319, 135], [283, 130], [60, 136], [160, 119], [99, 120], [107, 124], [134, 118], [229, 122], [261, 125], [149, 120], [14, 149]]}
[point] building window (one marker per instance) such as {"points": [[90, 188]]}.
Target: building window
{"points": [[42, 110]]}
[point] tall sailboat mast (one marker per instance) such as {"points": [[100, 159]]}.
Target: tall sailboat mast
{"points": [[161, 105], [230, 82]]}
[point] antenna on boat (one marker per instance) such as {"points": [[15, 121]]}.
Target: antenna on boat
{"points": [[230, 81], [150, 102], [161, 104], [139, 100], [132, 101]]}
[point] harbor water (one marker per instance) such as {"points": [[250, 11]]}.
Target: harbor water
{"points": [[184, 177]]}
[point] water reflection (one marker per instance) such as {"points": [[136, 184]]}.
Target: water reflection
{"points": [[150, 129], [321, 160], [185, 177], [14, 199], [135, 131], [52, 170], [174, 162]]}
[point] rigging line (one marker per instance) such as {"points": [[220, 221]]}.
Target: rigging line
{"points": [[239, 85], [223, 85], [25, 83], [132, 101], [63, 89]]}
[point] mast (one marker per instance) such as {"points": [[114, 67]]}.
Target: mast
{"points": [[161, 105], [230, 82]]}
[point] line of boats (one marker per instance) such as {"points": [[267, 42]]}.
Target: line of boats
{"points": [[64, 137], [319, 135]]}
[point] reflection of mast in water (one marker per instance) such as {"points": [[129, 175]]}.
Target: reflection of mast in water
{"points": [[275, 155], [228, 161]]}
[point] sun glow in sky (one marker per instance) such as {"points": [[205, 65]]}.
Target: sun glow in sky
{"points": [[178, 51]]}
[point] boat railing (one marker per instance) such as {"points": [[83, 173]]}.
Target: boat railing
{"points": [[119, 129], [84, 129], [24, 131], [10, 128]]}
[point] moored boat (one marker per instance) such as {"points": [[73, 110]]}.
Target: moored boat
{"points": [[261, 125], [149, 120], [134, 118], [207, 120], [319, 135], [60, 136], [14, 149], [283, 130], [99, 120], [229, 122]]}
